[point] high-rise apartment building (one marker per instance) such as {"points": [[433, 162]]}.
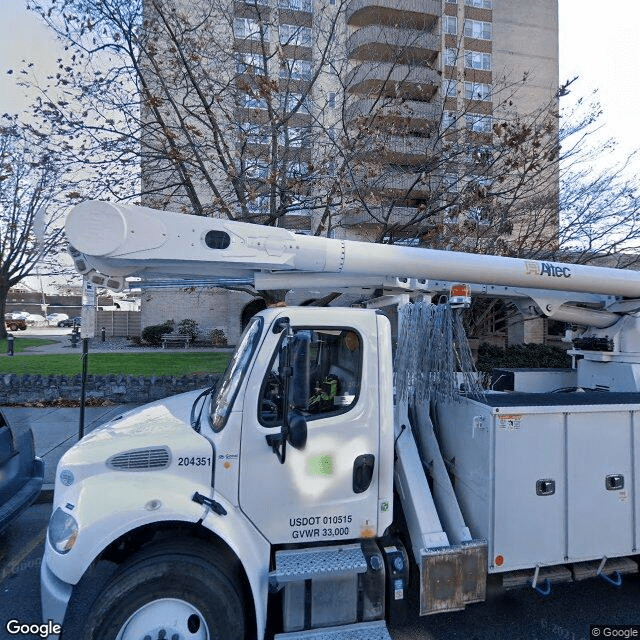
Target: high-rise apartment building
{"points": [[413, 121]]}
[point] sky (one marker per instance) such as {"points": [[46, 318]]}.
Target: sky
{"points": [[603, 49]]}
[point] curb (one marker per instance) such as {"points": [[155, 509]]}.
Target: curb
{"points": [[45, 495]]}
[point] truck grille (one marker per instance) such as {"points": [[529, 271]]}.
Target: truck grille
{"points": [[141, 459]]}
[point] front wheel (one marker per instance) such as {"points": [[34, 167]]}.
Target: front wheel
{"points": [[170, 591]]}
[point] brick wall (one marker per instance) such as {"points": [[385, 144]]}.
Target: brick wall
{"points": [[210, 308]]}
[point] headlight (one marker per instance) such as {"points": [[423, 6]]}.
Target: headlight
{"points": [[63, 531]]}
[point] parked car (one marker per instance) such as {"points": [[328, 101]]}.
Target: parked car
{"points": [[21, 472], [54, 318], [14, 324], [35, 318], [70, 322]]}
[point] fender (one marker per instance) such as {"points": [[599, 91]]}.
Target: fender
{"points": [[105, 516], [251, 548]]}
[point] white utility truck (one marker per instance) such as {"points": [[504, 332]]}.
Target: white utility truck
{"points": [[298, 494]]}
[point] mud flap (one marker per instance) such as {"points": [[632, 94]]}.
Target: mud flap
{"points": [[453, 577]]}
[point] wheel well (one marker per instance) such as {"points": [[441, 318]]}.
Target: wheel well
{"points": [[121, 549]]}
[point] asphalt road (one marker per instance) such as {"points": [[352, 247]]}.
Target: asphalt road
{"points": [[517, 615]]}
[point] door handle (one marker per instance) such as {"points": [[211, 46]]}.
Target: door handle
{"points": [[363, 472]]}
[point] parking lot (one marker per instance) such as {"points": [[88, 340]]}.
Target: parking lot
{"points": [[518, 615]]}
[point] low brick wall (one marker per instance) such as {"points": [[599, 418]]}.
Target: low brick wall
{"points": [[15, 389]]}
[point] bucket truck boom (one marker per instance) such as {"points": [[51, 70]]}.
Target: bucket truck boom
{"points": [[266, 505]]}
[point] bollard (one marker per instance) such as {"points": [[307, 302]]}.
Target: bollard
{"points": [[75, 337], [103, 333], [9, 344]]}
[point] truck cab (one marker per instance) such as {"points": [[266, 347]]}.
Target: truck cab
{"points": [[293, 451]]}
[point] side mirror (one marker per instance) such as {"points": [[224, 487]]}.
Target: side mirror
{"points": [[297, 436]]}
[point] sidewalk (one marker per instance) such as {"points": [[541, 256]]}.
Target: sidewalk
{"points": [[62, 344]]}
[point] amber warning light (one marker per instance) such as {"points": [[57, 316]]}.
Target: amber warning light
{"points": [[460, 295]]}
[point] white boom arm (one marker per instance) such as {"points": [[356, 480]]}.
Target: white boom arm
{"points": [[114, 241]]}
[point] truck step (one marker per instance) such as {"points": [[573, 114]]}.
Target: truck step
{"points": [[516, 579], [362, 631], [584, 570], [304, 564]]}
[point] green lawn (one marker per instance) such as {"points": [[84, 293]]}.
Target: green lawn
{"points": [[20, 344], [137, 364]]}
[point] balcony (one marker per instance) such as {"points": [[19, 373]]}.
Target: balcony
{"points": [[376, 42], [382, 215], [410, 14], [408, 145], [397, 80], [408, 114]]}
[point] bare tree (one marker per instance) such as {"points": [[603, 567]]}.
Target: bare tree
{"points": [[30, 188], [262, 111]]}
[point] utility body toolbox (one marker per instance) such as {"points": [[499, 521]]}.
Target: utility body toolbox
{"points": [[546, 478]]}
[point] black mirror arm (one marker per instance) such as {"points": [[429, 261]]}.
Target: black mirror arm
{"points": [[278, 441], [278, 444]]}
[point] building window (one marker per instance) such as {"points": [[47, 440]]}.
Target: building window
{"points": [[450, 88], [481, 4], [291, 101], [479, 155], [295, 35], [479, 215], [450, 56], [254, 133], [297, 170], [259, 206], [449, 119], [296, 69], [248, 101], [248, 29], [477, 91], [297, 207], [478, 123], [296, 137], [477, 29], [256, 168], [252, 63], [450, 25], [451, 182], [477, 60], [296, 5]]}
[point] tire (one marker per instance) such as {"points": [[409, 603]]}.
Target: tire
{"points": [[182, 589]]}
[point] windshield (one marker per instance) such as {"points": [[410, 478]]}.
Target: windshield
{"points": [[234, 374]]}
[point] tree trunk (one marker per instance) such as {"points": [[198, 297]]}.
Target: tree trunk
{"points": [[4, 291]]}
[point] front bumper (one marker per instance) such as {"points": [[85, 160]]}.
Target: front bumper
{"points": [[54, 593]]}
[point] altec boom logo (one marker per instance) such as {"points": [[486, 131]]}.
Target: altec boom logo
{"points": [[547, 269]]}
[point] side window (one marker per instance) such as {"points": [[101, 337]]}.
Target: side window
{"points": [[325, 375]]}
